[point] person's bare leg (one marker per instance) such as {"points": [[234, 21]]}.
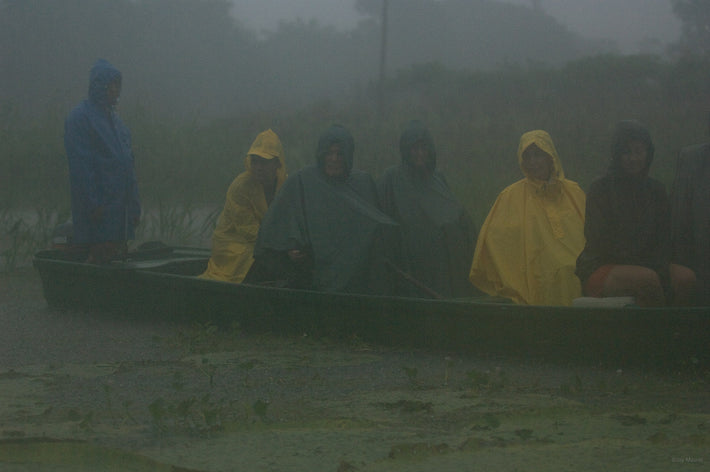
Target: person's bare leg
{"points": [[683, 281], [639, 282]]}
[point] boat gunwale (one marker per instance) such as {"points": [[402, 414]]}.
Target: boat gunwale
{"points": [[128, 267]]}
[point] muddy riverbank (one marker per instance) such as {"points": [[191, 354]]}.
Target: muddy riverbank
{"points": [[83, 391]]}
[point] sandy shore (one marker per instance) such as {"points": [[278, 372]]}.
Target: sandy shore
{"points": [[118, 395]]}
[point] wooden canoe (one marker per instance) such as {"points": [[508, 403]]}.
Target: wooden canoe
{"points": [[163, 283]]}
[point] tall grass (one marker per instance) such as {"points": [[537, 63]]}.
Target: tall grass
{"points": [[24, 233], [177, 225], [476, 119]]}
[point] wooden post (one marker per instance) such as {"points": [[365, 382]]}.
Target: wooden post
{"points": [[383, 60]]}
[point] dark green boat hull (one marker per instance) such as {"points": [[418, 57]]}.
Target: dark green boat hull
{"points": [[165, 286]]}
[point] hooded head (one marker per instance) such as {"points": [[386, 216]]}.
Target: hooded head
{"points": [[102, 76], [543, 142], [417, 134], [627, 134], [267, 145], [335, 135]]}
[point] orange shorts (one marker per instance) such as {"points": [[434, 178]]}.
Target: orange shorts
{"points": [[594, 287]]}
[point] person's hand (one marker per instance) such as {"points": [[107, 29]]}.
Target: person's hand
{"points": [[99, 253], [296, 255], [97, 214]]}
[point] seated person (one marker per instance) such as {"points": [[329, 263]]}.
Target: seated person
{"points": [[324, 230], [530, 240], [627, 229], [690, 216], [436, 236], [248, 198]]}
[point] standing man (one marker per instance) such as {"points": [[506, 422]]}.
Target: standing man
{"points": [[690, 215], [104, 195]]}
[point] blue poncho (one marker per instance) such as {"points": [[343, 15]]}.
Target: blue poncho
{"points": [[101, 167]]}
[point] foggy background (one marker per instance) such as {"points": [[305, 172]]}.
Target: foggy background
{"points": [[634, 25], [200, 59], [203, 77]]}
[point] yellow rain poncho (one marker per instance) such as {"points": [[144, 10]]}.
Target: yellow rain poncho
{"points": [[528, 245], [238, 224]]}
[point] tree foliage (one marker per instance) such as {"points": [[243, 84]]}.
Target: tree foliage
{"points": [[475, 34], [194, 58], [695, 17], [176, 53]]}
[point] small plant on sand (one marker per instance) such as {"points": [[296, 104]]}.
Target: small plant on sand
{"points": [[448, 365], [201, 338], [197, 415], [573, 387], [183, 408], [486, 380], [260, 406], [208, 369], [247, 367], [158, 413], [109, 403], [178, 381], [114, 415], [87, 422], [487, 422], [211, 414], [411, 373]]}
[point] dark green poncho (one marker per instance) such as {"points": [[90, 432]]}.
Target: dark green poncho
{"points": [[691, 215], [336, 221], [437, 236]]}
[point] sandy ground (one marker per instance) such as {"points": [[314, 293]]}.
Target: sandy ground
{"points": [[83, 391]]}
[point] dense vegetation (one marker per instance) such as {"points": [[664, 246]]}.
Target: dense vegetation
{"points": [[476, 119], [193, 58]]}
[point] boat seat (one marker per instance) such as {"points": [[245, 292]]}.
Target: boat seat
{"points": [[603, 301]]}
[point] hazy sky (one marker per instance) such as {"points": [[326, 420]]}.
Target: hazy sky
{"points": [[628, 22]]}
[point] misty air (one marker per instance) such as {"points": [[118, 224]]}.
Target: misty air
{"points": [[354, 235]]}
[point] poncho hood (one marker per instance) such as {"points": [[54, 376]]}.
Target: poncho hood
{"points": [[416, 132], [625, 132], [336, 134], [101, 75], [268, 145], [543, 140]]}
